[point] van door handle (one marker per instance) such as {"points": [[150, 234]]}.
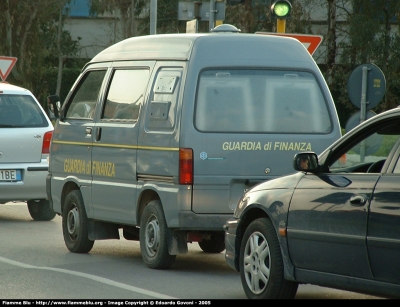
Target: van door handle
{"points": [[98, 134], [88, 132]]}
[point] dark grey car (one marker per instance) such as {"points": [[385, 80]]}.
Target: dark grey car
{"points": [[335, 224]]}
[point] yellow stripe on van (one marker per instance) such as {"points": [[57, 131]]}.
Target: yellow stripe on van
{"points": [[125, 146]]}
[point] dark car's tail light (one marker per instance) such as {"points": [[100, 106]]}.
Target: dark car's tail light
{"points": [[186, 166], [46, 142]]}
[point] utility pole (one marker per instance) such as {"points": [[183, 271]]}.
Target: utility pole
{"points": [[212, 15], [153, 17]]}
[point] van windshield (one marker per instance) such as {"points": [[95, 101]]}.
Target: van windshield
{"points": [[260, 101]]}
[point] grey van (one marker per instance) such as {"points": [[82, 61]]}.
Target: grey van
{"points": [[160, 136]]}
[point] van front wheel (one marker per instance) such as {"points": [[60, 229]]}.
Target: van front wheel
{"points": [[154, 237], [75, 224]]}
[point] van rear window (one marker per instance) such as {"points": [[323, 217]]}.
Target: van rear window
{"points": [[260, 101]]}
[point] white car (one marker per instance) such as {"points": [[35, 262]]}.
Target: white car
{"points": [[25, 137]]}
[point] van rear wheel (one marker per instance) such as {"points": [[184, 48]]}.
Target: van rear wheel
{"points": [[75, 224], [214, 245], [154, 237]]}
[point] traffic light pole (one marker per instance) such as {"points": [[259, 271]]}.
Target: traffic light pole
{"points": [[280, 25]]}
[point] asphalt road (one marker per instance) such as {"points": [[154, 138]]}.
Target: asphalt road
{"points": [[35, 264]]}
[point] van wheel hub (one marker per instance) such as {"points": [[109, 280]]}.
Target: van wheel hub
{"points": [[73, 222], [152, 237]]}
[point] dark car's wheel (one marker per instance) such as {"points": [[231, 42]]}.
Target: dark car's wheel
{"points": [[153, 237], [261, 264], [75, 224], [214, 245], [40, 210]]}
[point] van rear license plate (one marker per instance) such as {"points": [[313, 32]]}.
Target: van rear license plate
{"points": [[10, 175]]}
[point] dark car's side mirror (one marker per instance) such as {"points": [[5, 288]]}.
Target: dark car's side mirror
{"points": [[306, 162], [54, 106]]}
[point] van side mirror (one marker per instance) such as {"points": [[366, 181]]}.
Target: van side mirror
{"points": [[54, 106], [306, 161]]}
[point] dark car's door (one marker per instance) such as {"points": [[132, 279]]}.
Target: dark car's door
{"points": [[328, 214], [383, 234], [327, 223]]}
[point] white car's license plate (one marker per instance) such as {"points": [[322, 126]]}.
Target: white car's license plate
{"points": [[10, 175]]}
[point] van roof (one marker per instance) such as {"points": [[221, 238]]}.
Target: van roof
{"points": [[208, 46]]}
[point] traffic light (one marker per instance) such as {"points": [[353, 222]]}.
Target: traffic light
{"points": [[281, 9]]}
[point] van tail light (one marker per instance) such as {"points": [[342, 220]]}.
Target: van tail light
{"points": [[185, 166], [46, 142]]}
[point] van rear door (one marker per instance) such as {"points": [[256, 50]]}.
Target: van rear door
{"points": [[248, 125]]}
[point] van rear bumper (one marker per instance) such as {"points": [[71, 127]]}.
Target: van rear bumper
{"points": [[189, 220]]}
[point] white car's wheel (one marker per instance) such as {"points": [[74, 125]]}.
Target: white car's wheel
{"points": [[40, 210]]}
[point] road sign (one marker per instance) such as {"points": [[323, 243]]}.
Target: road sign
{"points": [[192, 26], [186, 10], [354, 120], [6, 65], [311, 42], [375, 86]]}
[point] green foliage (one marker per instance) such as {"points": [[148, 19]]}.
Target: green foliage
{"points": [[30, 28], [340, 94], [370, 39], [167, 19], [29, 32], [71, 70]]}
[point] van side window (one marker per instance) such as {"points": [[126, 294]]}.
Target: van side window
{"points": [[260, 101], [164, 97], [125, 94], [85, 97]]}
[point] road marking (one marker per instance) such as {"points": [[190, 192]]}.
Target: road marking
{"points": [[92, 277]]}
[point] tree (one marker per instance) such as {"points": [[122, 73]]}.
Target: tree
{"points": [[370, 39], [29, 27], [129, 12], [331, 41]]}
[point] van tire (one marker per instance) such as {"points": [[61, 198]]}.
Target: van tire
{"points": [[40, 210], [214, 245], [75, 224], [154, 237]]}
